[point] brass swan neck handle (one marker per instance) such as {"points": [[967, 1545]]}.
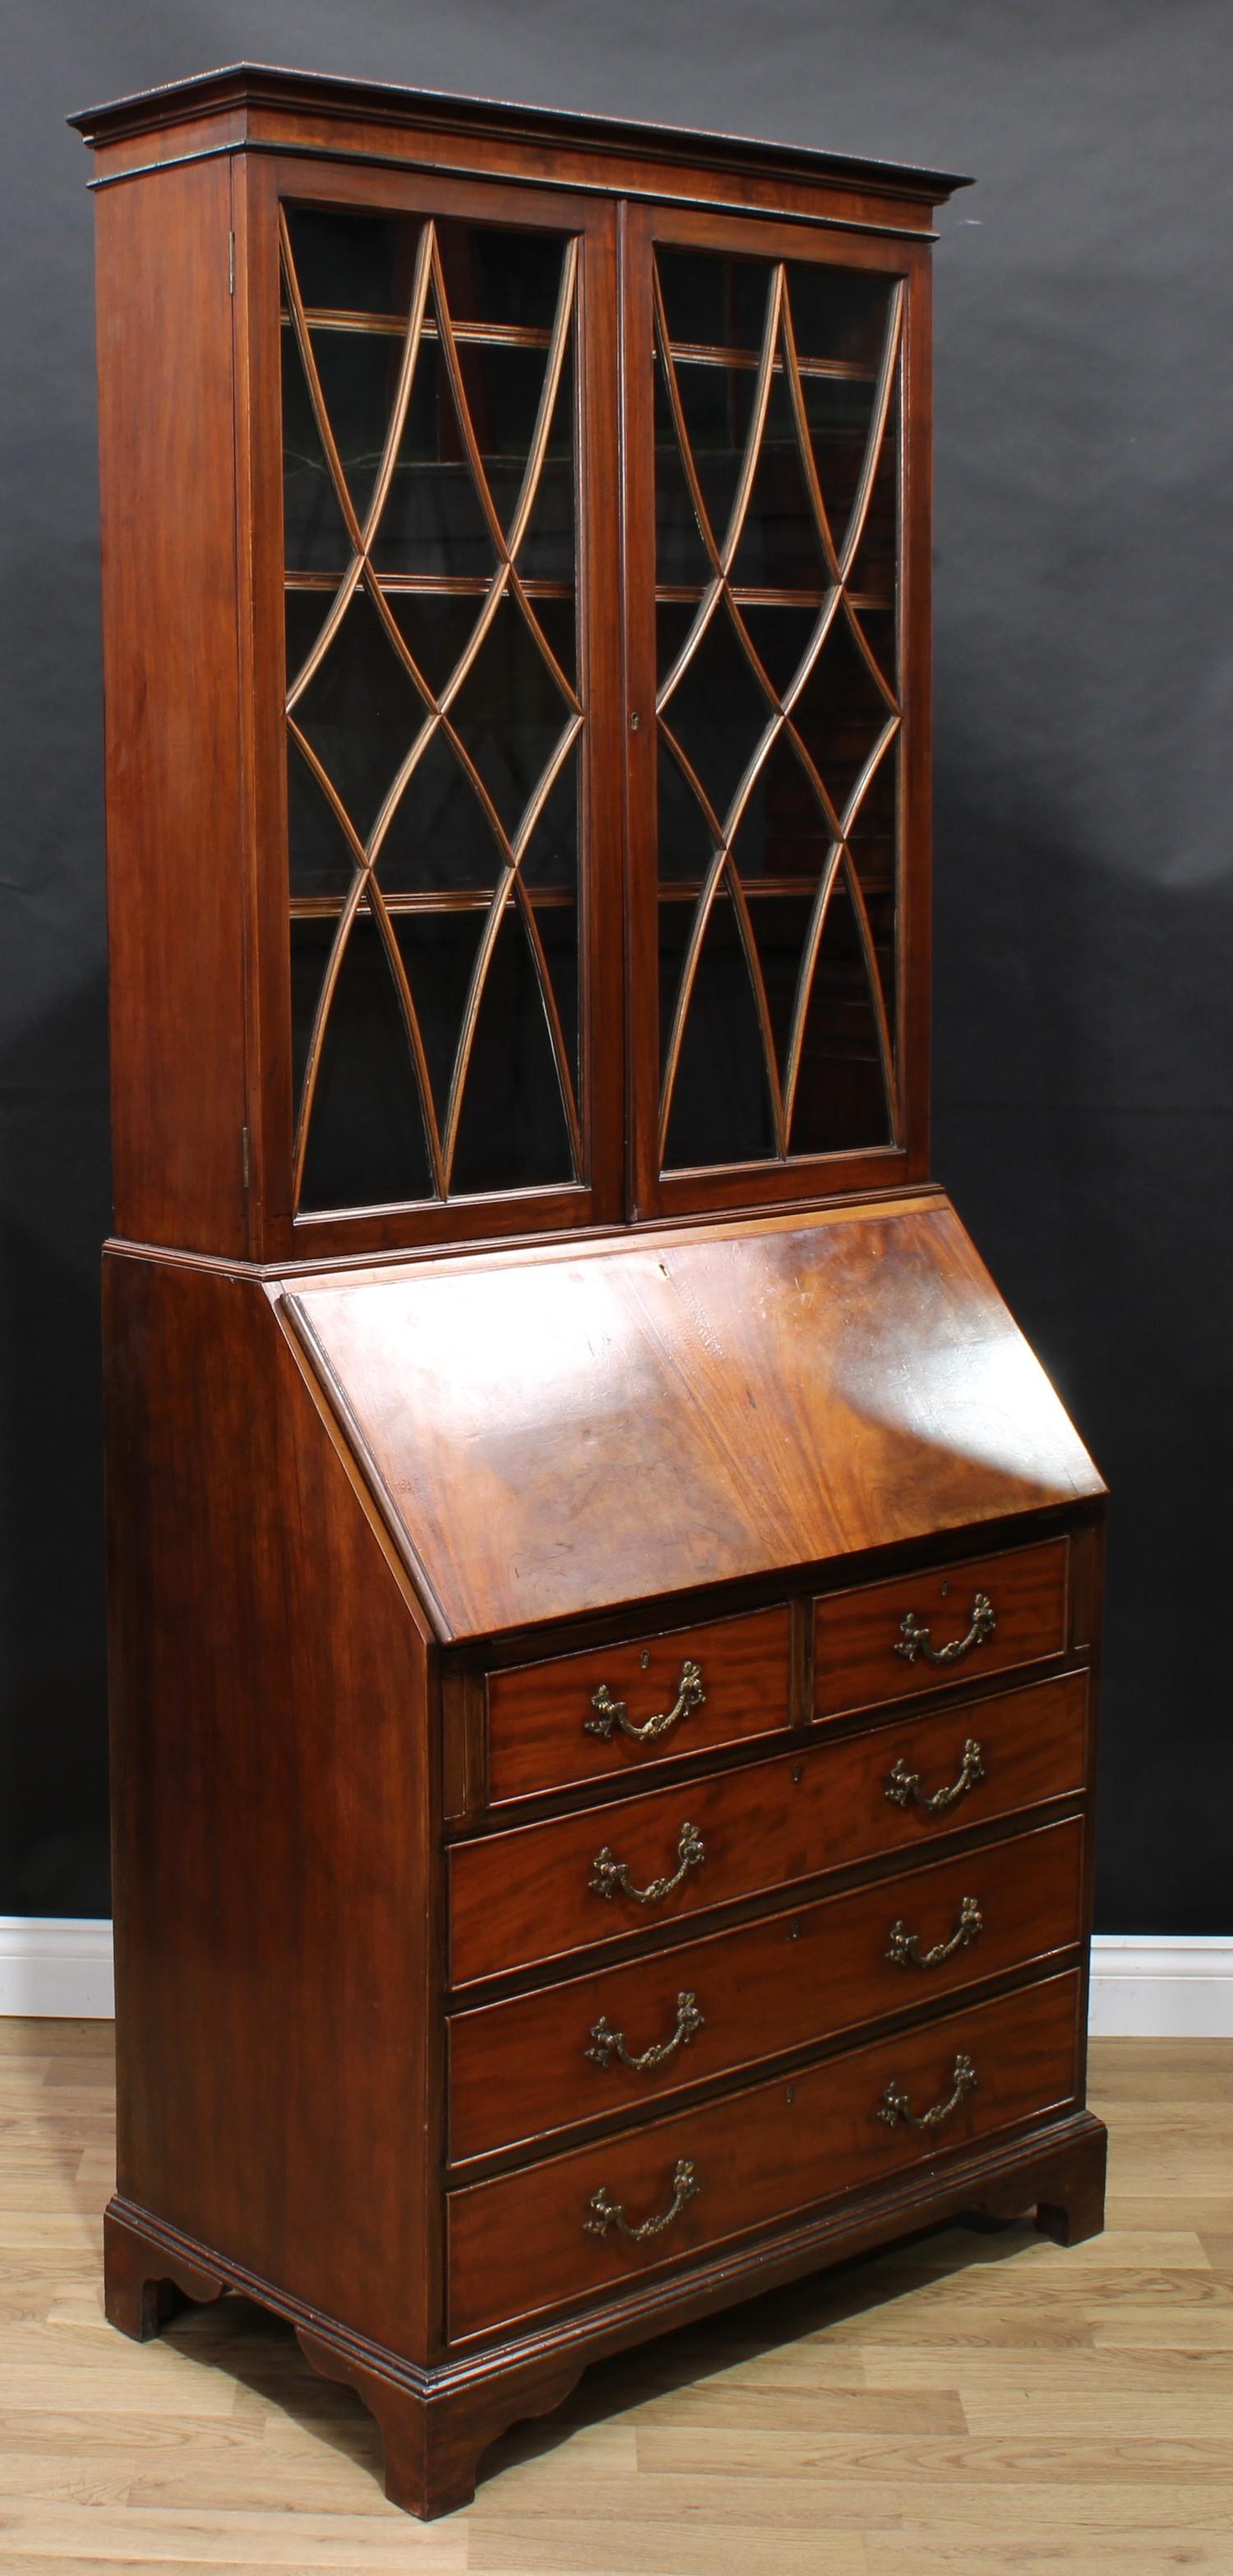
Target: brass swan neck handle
{"points": [[605, 2212], [611, 1713], [608, 1873], [904, 1784], [914, 1638], [895, 2104], [607, 2043]]}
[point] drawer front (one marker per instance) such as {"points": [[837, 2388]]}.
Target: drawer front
{"points": [[549, 2234], [625, 1866], [955, 1623], [620, 1708], [633, 2034]]}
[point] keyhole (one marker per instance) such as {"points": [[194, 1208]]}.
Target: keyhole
{"points": [[789, 2093], [645, 1661], [945, 1590], [797, 1773]]}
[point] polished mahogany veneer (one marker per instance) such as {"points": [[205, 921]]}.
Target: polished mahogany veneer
{"points": [[516, 1898], [593, 1716], [576, 2052], [604, 1600]]}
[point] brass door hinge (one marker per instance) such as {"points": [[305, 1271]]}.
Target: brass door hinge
{"points": [[231, 263], [246, 1157]]}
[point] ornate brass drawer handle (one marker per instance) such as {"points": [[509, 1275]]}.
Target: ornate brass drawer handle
{"points": [[914, 1638], [608, 1874], [905, 1950], [611, 1713], [904, 1784], [607, 2043], [605, 2212], [896, 2106]]}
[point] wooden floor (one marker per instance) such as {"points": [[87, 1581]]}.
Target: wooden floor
{"points": [[961, 2406]]}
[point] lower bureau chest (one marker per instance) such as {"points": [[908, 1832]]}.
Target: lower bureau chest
{"points": [[759, 1913]]}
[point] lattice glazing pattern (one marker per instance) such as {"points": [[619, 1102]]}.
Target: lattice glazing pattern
{"points": [[777, 406], [433, 709]]}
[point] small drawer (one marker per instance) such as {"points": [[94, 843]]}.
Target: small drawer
{"points": [[612, 2212], [955, 1623], [541, 1891], [622, 1708], [630, 2035]]}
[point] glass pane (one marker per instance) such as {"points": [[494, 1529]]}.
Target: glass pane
{"points": [[510, 714], [784, 638], [717, 712], [780, 548], [783, 834], [721, 1107], [838, 314], [366, 1142], [439, 950], [452, 752], [440, 838], [840, 715], [434, 523], [552, 853], [320, 856], [716, 407], [841, 1098], [353, 263], [680, 554], [500, 277], [513, 1131], [781, 924], [712, 301], [314, 530], [361, 711]]}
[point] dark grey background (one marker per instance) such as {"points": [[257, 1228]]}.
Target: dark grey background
{"points": [[1084, 750]]}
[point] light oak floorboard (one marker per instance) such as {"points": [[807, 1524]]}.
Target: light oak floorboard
{"points": [[961, 2405]]}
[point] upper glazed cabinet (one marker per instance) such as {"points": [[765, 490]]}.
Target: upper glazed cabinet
{"points": [[569, 830]]}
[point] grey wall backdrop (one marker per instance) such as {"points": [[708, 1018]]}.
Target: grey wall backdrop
{"points": [[1084, 911]]}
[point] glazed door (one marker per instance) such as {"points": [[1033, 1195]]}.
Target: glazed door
{"points": [[777, 553], [444, 985]]}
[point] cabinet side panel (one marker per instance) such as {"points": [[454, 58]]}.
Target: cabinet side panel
{"points": [[272, 1805], [167, 462]]}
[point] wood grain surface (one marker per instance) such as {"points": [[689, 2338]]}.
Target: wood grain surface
{"points": [[958, 2404], [175, 901], [274, 1895], [527, 1894], [532, 2066], [522, 2244], [552, 1437], [858, 1650], [542, 1719]]}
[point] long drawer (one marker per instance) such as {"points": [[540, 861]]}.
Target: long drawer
{"points": [[544, 1890], [956, 1623], [609, 2213], [630, 2035], [622, 1708]]}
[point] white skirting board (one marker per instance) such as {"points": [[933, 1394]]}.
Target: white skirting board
{"points": [[1149, 1988], [56, 1966], [1166, 1987]]}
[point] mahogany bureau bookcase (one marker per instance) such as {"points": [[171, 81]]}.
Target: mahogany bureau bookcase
{"points": [[603, 1599]]}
